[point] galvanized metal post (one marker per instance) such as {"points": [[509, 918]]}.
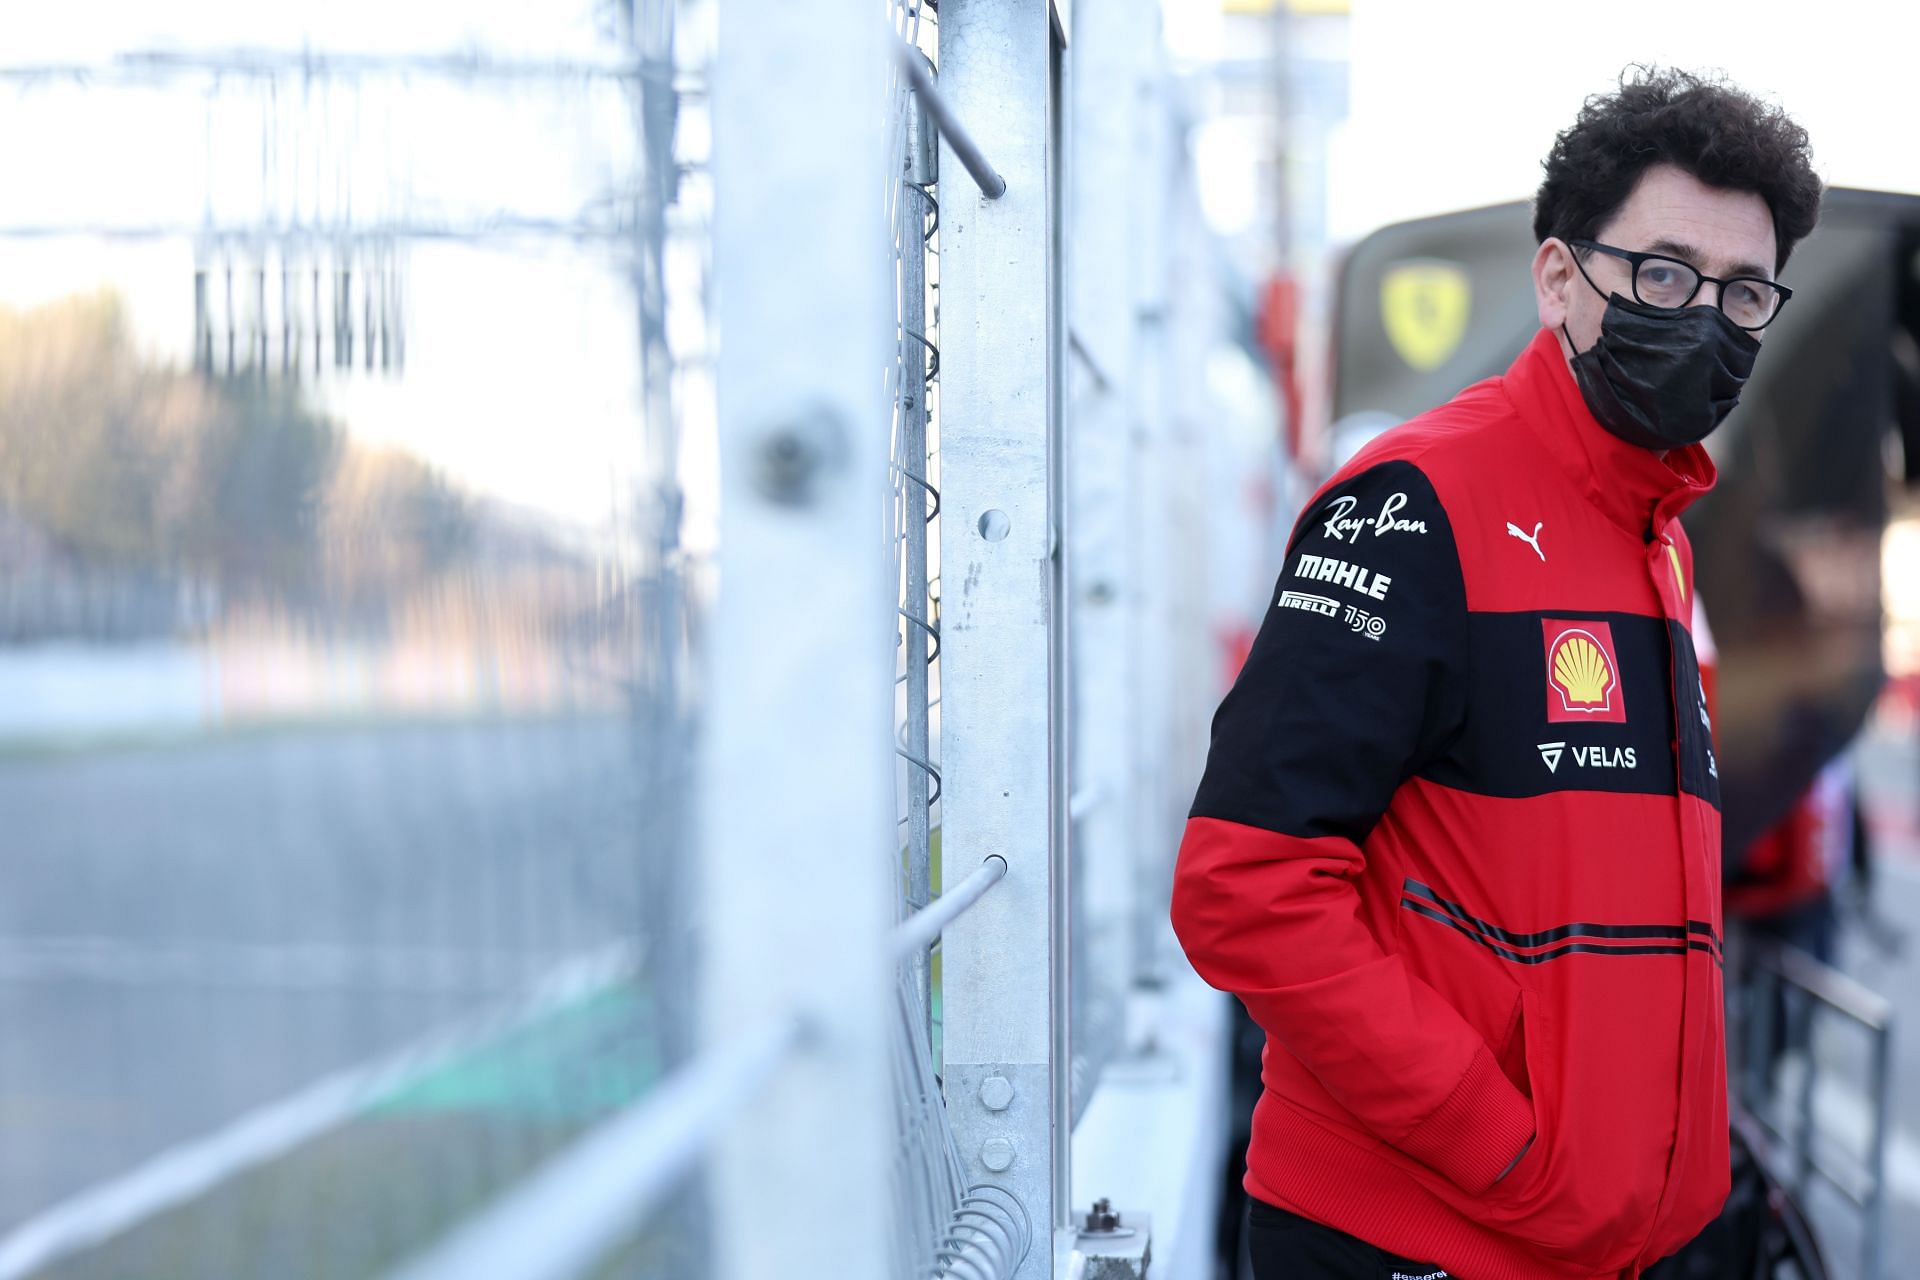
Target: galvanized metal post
{"points": [[1112, 55], [1148, 557], [1800, 1029], [921, 170], [1001, 603], [797, 785], [1876, 1206], [1186, 614], [1764, 993]]}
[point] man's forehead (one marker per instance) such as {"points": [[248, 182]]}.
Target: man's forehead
{"points": [[1723, 232]]}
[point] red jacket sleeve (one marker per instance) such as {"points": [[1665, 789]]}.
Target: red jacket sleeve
{"points": [[1354, 680]]}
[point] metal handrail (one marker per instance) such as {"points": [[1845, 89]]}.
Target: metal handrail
{"points": [[1805, 978], [267, 62], [923, 926], [991, 184], [1831, 987], [585, 1202]]}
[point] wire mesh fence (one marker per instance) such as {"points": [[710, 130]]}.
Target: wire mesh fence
{"points": [[350, 502], [913, 222], [358, 536]]}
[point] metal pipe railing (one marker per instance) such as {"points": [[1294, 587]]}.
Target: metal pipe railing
{"points": [[492, 228], [1801, 982], [313, 64], [585, 1202], [923, 926], [991, 184], [1831, 987], [571, 1215]]}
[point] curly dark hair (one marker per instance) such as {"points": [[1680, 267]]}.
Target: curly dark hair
{"points": [[1720, 134]]}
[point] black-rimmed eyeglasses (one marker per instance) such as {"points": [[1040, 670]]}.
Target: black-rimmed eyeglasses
{"points": [[1660, 281]]}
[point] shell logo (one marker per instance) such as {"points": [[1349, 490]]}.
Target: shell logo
{"points": [[1583, 675]]}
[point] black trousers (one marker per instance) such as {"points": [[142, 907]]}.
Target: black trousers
{"points": [[1286, 1246]]}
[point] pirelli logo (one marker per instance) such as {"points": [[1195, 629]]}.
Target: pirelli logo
{"points": [[1312, 604]]}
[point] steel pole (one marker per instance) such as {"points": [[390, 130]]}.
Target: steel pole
{"points": [[797, 782], [998, 308]]}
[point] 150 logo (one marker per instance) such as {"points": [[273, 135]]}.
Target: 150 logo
{"points": [[1370, 625]]}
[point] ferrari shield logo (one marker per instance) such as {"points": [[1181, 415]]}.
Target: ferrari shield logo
{"points": [[1424, 304]]}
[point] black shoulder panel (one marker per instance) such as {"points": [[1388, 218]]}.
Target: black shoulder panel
{"points": [[1357, 676]]}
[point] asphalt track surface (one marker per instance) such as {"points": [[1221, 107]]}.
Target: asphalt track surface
{"points": [[193, 930]]}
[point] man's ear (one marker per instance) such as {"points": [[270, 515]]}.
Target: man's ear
{"points": [[1553, 273]]}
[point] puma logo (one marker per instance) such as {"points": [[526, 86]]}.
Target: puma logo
{"points": [[1532, 540]]}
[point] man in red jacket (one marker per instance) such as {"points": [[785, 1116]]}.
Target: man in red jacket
{"points": [[1457, 845]]}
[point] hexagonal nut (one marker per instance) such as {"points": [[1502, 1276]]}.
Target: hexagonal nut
{"points": [[996, 1093], [997, 1154]]}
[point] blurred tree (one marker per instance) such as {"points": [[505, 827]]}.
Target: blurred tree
{"points": [[126, 463], [74, 457], [387, 520]]}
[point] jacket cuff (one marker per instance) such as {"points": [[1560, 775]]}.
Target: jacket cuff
{"points": [[1478, 1131]]}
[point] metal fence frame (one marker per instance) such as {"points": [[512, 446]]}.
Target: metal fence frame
{"points": [[803, 308], [1806, 986], [1003, 753], [795, 498], [795, 1004]]}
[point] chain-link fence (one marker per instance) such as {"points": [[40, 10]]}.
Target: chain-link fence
{"points": [[352, 550]]}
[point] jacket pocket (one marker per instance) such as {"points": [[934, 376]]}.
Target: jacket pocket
{"points": [[1520, 1061], [1475, 982], [1512, 1051]]}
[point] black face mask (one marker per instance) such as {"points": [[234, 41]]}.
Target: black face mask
{"points": [[1661, 378]]}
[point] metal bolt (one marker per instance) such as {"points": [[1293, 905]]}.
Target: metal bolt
{"points": [[1104, 1222], [996, 1092], [997, 1154], [791, 456]]}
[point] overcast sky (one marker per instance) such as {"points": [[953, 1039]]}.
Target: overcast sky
{"points": [[1454, 102]]}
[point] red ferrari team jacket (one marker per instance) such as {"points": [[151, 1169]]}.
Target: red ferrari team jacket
{"points": [[1457, 848]]}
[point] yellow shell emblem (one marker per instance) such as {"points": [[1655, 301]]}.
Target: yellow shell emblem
{"points": [[1679, 579], [1582, 672], [1424, 307]]}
